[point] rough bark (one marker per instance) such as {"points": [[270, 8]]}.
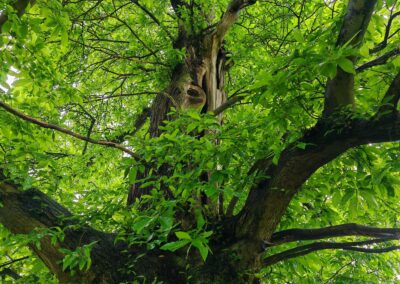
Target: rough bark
{"points": [[339, 91], [269, 198], [199, 81], [23, 212]]}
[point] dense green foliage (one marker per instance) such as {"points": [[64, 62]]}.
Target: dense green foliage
{"points": [[93, 66]]}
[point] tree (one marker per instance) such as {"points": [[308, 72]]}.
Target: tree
{"points": [[194, 141]]}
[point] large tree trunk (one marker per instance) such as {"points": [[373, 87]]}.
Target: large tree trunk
{"points": [[238, 242], [198, 83]]}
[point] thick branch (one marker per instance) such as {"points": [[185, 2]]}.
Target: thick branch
{"points": [[294, 235], [339, 91], [66, 131], [381, 60], [384, 42], [230, 17], [24, 212], [269, 198], [10, 272], [306, 249]]}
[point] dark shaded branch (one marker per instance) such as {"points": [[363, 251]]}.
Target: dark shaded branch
{"points": [[10, 272], [92, 122], [391, 98], [351, 246], [231, 206], [381, 60], [340, 90], [13, 261], [19, 7], [384, 42], [270, 196], [90, 130], [293, 235], [66, 131], [24, 212]]}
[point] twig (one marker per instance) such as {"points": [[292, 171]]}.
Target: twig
{"points": [[151, 15]]}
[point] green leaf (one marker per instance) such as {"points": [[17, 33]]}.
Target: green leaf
{"points": [[166, 222], [347, 197], [183, 235], [328, 70], [364, 51], [390, 3], [298, 35], [347, 65], [173, 246], [142, 223], [132, 175], [200, 219], [207, 234], [203, 249], [301, 145]]}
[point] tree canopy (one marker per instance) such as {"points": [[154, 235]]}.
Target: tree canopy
{"points": [[199, 141]]}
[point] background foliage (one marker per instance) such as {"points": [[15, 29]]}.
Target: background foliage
{"points": [[92, 66]]}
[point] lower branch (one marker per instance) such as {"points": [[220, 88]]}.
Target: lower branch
{"points": [[9, 272], [381, 60], [344, 230], [306, 249], [24, 212], [269, 198]]}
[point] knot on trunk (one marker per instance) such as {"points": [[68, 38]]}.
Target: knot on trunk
{"points": [[194, 97]]}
